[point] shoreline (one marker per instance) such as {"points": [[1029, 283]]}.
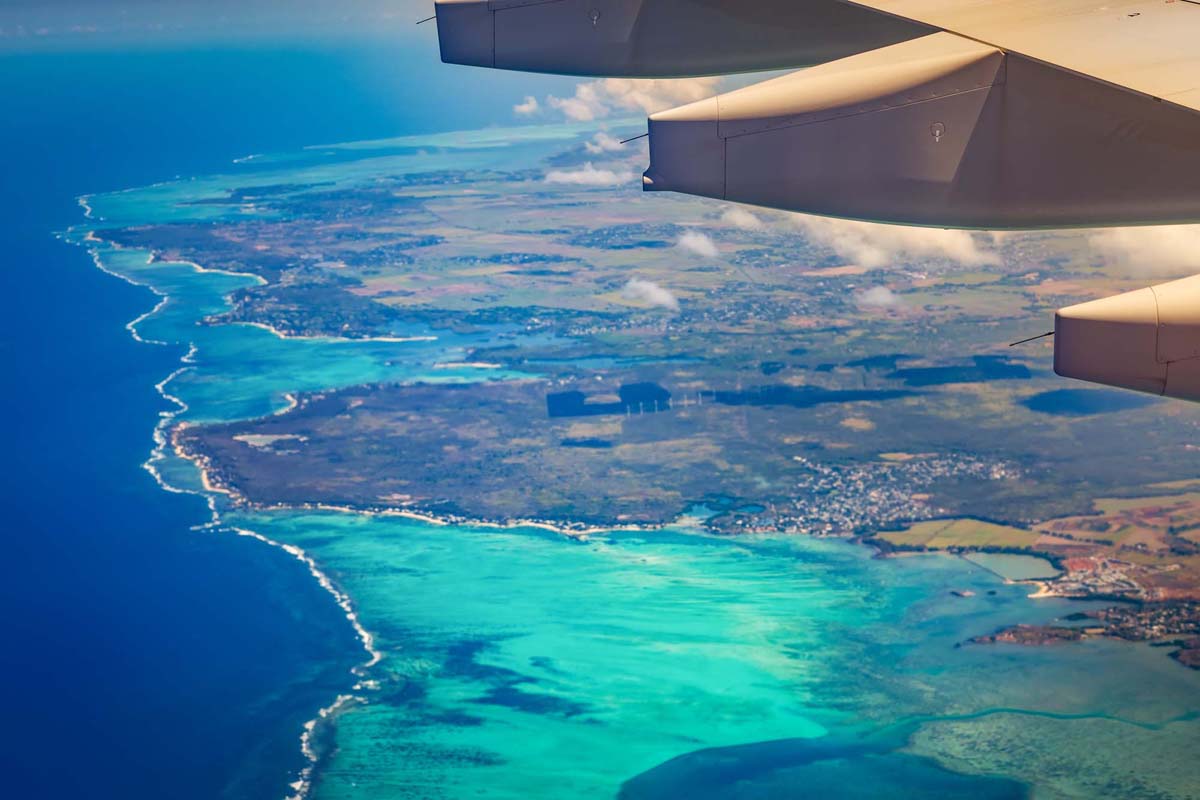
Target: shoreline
{"points": [[1043, 588], [301, 786], [156, 258], [580, 532], [166, 434], [95, 243], [304, 337], [304, 781]]}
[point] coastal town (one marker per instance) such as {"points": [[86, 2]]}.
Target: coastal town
{"points": [[832, 499], [1136, 551]]}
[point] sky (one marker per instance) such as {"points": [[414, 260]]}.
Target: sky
{"points": [[26, 24]]}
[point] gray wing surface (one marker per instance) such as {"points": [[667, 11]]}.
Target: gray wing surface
{"points": [[951, 113]]}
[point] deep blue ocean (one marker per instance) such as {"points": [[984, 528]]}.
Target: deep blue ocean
{"points": [[140, 658]]}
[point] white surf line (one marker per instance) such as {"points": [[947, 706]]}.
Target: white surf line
{"points": [[154, 258], [343, 599], [132, 325], [578, 531], [187, 361], [303, 783], [163, 447], [151, 259], [165, 422]]}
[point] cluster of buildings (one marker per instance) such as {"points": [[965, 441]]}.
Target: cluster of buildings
{"points": [[1151, 621], [1099, 577], [831, 499]]}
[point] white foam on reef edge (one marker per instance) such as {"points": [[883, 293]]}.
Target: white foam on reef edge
{"points": [[166, 418], [343, 599], [303, 784], [132, 325], [162, 441], [578, 531], [260, 280]]}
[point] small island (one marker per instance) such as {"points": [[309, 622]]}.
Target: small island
{"points": [[1172, 625]]}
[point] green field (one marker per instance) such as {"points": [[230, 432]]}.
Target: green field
{"points": [[943, 534]]}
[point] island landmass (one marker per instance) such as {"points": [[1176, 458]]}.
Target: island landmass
{"points": [[729, 370]]}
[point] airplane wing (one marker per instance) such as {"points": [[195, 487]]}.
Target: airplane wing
{"points": [[660, 38], [1016, 114], [1150, 47], [987, 114], [955, 113]]}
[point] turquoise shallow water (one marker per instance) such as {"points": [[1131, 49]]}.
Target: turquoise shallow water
{"points": [[1015, 567], [516, 663]]}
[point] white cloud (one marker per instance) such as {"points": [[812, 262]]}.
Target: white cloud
{"points": [[603, 143], [529, 106], [872, 245], [879, 297], [741, 218], [589, 175], [698, 243], [1168, 251], [598, 99], [643, 291]]}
